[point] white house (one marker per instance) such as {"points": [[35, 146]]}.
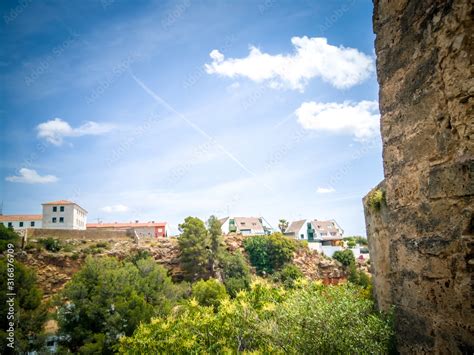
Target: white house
{"points": [[22, 221], [323, 236], [63, 215], [245, 225]]}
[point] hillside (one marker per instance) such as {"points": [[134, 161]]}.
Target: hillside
{"points": [[54, 269]]}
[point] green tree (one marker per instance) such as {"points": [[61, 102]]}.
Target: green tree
{"points": [[288, 275], [195, 247], [215, 236], [309, 319], [29, 313], [109, 298], [8, 236], [235, 271], [283, 225], [269, 253], [209, 293], [345, 257]]}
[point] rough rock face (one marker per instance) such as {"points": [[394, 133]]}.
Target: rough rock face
{"points": [[421, 240]]}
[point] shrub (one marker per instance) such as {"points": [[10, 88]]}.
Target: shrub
{"points": [[310, 319], [30, 314], [209, 293], [104, 245], [376, 199], [68, 248], [269, 253], [51, 244], [358, 277], [235, 272], [109, 298], [351, 244], [288, 275], [345, 257], [139, 255], [8, 236]]}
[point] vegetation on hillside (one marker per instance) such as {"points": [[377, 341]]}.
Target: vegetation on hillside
{"points": [[270, 253], [309, 319], [28, 313], [109, 298]]}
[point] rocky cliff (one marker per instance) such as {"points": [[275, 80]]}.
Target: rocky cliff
{"points": [[54, 269], [421, 231]]}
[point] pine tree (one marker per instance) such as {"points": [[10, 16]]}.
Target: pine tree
{"points": [[195, 246]]}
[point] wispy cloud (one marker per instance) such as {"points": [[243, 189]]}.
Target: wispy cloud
{"points": [[360, 119], [313, 57], [115, 209], [54, 131], [30, 176], [325, 190]]}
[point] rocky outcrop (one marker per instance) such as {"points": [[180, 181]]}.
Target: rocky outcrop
{"points": [[421, 237], [55, 269]]}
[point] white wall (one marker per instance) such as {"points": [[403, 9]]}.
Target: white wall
{"points": [[225, 227], [73, 217], [26, 224]]}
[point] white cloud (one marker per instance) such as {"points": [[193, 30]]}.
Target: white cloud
{"points": [[360, 119], [55, 130], [30, 176], [325, 190], [313, 57], [115, 208]]}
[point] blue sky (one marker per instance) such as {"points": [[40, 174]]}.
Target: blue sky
{"points": [[159, 110]]}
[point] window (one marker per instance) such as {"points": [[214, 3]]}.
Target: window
{"points": [[54, 219], [55, 208], [61, 219], [32, 223], [302, 236], [10, 224], [61, 209], [21, 224]]}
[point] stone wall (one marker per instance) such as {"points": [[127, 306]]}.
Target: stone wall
{"points": [[87, 234], [421, 239]]}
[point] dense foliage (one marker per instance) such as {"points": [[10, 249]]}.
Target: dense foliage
{"points": [[209, 293], [29, 314], [235, 272], [357, 239], [345, 257], [288, 276], [51, 244], [109, 298], [376, 199], [269, 253], [7, 236], [308, 319], [195, 247]]}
